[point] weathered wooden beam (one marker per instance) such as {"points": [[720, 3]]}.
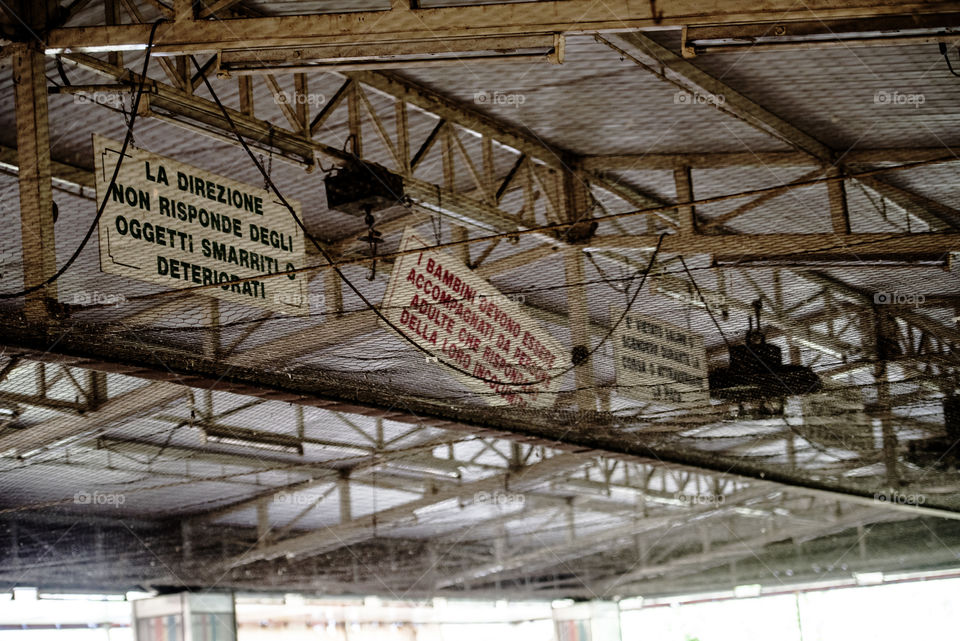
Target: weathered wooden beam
{"points": [[351, 531], [403, 23], [659, 60], [36, 191], [789, 246], [137, 402], [715, 160]]}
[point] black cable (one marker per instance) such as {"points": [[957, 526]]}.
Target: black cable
{"points": [[707, 307], [326, 256], [62, 72], [106, 196], [943, 52], [723, 336]]}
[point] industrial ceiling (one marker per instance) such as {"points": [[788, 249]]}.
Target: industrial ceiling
{"points": [[773, 187]]}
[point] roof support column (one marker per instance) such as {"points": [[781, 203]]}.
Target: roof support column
{"points": [[458, 233], [36, 196], [839, 216], [577, 206], [263, 521], [183, 10], [882, 329], [684, 183], [343, 487]]}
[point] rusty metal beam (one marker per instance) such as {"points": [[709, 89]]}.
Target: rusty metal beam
{"points": [[36, 195]]}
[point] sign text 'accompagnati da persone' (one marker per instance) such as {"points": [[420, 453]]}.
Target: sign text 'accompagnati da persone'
{"points": [[449, 311]]}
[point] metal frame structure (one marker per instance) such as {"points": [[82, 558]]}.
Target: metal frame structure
{"points": [[614, 499]]}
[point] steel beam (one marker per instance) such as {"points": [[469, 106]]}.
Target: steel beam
{"points": [[121, 408], [403, 23], [564, 551], [717, 160], [60, 171], [673, 68], [790, 246], [359, 529], [750, 547], [36, 196]]}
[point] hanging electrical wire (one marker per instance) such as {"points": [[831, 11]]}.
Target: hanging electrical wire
{"points": [[113, 179], [578, 358], [943, 52]]}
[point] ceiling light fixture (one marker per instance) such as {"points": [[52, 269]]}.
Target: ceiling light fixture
{"points": [[395, 54], [243, 437]]}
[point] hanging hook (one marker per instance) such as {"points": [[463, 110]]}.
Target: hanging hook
{"points": [[656, 15], [373, 238]]}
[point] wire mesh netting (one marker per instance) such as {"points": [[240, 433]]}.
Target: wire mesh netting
{"points": [[479, 386]]}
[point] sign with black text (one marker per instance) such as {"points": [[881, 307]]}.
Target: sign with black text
{"points": [[657, 361], [177, 226]]}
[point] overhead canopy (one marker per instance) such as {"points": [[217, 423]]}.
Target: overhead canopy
{"points": [[522, 397]]}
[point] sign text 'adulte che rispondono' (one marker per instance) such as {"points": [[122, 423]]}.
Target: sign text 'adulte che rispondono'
{"points": [[449, 311]]}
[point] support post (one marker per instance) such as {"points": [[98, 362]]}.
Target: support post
{"points": [[245, 87], [263, 521], [183, 10], [457, 233], [576, 205], [36, 196], [839, 216], [343, 487], [684, 185]]}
